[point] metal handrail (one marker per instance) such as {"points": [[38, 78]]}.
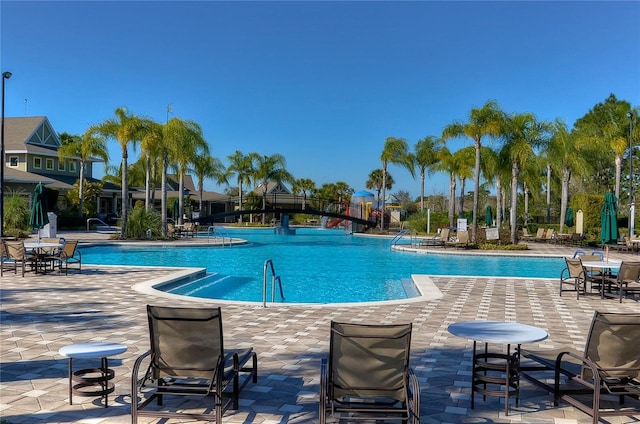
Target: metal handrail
{"points": [[398, 237], [218, 233], [269, 263], [98, 220]]}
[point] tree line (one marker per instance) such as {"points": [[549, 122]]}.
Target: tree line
{"points": [[512, 152]]}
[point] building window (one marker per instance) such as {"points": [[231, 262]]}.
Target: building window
{"points": [[60, 165], [72, 166], [37, 163], [13, 161], [49, 164]]}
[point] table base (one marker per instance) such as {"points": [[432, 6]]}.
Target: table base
{"points": [[496, 374], [91, 382]]}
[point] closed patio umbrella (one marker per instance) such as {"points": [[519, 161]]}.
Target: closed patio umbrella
{"points": [[568, 219], [38, 218], [176, 205], [609, 220], [488, 217]]}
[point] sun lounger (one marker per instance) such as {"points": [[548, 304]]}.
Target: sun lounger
{"points": [[609, 366], [187, 358], [367, 374]]}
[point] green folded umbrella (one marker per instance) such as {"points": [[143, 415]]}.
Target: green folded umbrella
{"points": [[609, 220], [568, 219], [488, 218], [39, 217]]}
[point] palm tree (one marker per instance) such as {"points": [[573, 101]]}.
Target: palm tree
{"points": [[447, 163], [303, 186], [83, 148], [125, 129], [564, 154], [522, 133], [395, 151], [270, 168], [426, 156], [206, 166], [243, 167], [482, 122], [151, 146], [185, 143], [464, 160], [375, 181]]}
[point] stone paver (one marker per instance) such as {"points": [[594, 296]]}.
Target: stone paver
{"points": [[39, 314]]}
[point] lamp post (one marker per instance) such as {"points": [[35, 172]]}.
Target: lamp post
{"points": [[5, 75], [631, 205]]}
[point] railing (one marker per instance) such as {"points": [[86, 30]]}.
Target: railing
{"points": [[218, 232], [104, 225], [399, 236], [269, 264]]}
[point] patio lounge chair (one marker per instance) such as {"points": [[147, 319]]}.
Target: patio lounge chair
{"points": [[367, 374], [187, 358], [539, 235], [627, 280], [609, 365], [462, 240], [15, 255], [573, 275]]}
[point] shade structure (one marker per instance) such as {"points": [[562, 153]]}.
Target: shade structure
{"points": [[38, 218], [568, 219], [362, 193], [609, 220], [488, 216]]}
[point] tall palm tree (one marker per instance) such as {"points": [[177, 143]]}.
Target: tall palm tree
{"points": [[206, 166], [305, 187], [185, 143], [151, 146], [522, 134], [395, 151], [464, 162], [375, 181], [483, 122], [447, 163], [268, 169], [426, 156], [82, 148], [126, 129], [565, 155], [242, 167]]}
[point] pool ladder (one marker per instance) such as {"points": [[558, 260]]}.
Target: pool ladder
{"points": [[268, 264]]}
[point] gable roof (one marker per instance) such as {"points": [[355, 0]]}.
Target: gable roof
{"points": [[272, 187], [31, 134]]}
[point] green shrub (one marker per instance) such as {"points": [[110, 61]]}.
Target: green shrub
{"points": [[418, 222], [140, 220], [16, 215]]}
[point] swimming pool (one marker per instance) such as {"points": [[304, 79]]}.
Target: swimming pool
{"points": [[316, 266]]}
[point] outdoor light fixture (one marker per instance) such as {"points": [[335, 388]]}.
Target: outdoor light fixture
{"points": [[631, 205], [5, 75]]}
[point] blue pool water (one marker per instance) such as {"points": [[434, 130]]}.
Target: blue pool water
{"points": [[316, 266]]}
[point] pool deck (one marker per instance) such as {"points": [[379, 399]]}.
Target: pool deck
{"points": [[41, 313]]}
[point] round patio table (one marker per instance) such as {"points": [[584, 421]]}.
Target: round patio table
{"points": [[497, 374], [92, 381]]}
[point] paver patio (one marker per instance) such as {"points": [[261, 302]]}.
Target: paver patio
{"points": [[39, 314]]}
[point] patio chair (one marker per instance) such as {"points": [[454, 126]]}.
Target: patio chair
{"points": [[15, 255], [609, 365], [461, 241], [627, 280], [539, 235], [573, 275], [444, 236], [367, 374], [187, 358], [550, 236], [69, 254]]}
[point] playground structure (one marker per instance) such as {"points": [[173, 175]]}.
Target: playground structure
{"points": [[361, 207]]}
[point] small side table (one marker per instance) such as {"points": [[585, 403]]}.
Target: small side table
{"points": [[92, 381], [497, 374]]}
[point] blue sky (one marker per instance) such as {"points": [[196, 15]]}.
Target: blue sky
{"points": [[323, 83]]}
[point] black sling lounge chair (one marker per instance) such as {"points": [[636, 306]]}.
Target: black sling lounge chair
{"points": [[609, 366], [187, 358], [367, 374]]}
